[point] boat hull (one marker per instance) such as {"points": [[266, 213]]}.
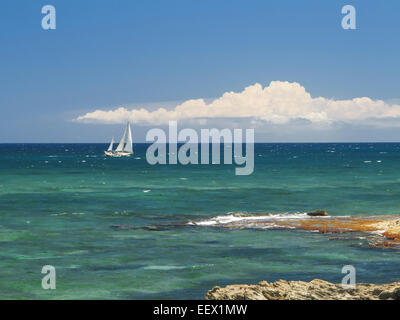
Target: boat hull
{"points": [[118, 154]]}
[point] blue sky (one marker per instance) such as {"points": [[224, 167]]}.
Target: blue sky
{"points": [[151, 54]]}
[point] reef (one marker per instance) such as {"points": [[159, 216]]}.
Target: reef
{"points": [[384, 230]]}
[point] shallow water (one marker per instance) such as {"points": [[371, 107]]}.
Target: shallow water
{"points": [[59, 203]]}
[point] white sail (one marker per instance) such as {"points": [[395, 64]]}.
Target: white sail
{"points": [[111, 145], [121, 145], [128, 145]]}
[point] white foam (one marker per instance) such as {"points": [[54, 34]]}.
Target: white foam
{"points": [[59, 214], [230, 218], [165, 268]]}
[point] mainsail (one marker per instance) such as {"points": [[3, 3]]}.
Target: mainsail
{"points": [[125, 145], [128, 144], [122, 142]]}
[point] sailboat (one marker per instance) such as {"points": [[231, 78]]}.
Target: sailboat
{"points": [[125, 146]]}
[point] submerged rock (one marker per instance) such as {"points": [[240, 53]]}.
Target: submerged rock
{"points": [[300, 290], [318, 213], [120, 227]]}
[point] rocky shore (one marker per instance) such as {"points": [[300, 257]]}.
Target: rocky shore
{"points": [[299, 290]]}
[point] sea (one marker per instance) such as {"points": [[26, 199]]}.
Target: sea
{"points": [[120, 228]]}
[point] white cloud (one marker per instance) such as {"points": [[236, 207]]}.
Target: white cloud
{"points": [[278, 103]]}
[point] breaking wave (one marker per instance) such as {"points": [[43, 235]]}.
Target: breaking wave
{"points": [[264, 221]]}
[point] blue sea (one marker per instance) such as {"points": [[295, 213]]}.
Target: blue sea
{"points": [[119, 228]]}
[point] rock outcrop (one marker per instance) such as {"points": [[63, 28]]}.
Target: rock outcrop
{"points": [[384, 230], [300, 290], [318, 213]]}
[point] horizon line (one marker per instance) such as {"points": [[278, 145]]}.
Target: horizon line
{"points": [[258, 142]]}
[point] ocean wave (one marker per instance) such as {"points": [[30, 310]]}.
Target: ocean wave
{"points": [[245, 218], [177, 267], [67, 213]]}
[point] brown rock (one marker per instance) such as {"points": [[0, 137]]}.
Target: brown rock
{"points": [[300, 290]]}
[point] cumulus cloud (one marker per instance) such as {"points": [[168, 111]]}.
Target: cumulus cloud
{"points": [[278, 103]]}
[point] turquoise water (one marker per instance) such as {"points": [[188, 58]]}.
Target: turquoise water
{"points": [[60, 203]]}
